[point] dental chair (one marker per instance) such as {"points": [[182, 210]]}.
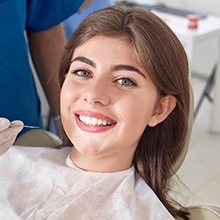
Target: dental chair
{"points": [[40, 137]]}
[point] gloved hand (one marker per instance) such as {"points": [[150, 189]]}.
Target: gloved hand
{"points": [[8, 133]]}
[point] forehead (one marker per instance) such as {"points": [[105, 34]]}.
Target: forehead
{"points": [[110, 50], [121, 47]]}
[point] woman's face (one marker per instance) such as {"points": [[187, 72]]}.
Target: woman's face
{"points": [[107, 100]]}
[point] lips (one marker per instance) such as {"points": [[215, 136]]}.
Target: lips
{"points": [[93, 121]]}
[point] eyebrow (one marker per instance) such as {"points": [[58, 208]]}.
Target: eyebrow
{"points": [[128, 68], [114, 68], [84, 60]]}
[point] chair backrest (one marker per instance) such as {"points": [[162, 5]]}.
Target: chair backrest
{"points": [[203, 213], [38, 138]]}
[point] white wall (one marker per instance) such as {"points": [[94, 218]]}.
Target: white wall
{"points": [[208, 6], [203, 62]]}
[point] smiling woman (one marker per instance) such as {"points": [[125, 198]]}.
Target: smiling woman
{"points": [[124, 107], [124, 64]]}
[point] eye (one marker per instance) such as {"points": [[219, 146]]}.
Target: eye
{"points": [[126, 82], [81, 73]]}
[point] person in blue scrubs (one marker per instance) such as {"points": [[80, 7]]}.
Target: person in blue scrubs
{"points": [[31, 25], [73, 22]]}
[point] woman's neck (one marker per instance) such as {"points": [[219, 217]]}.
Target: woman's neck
{"points": [[103, 164]]}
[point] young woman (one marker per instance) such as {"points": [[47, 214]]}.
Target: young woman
{"points": [[124, 107]]}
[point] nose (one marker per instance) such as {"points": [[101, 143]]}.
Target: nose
{"points": [[96, 93]]}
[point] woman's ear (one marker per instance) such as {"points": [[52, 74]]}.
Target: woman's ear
{"points": [[164, 107]]}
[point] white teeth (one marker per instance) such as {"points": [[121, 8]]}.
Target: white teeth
{"points": [[99, 122], [93, 121], [87, 121]]}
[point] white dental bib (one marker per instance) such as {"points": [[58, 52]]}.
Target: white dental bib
{"points": [[40, 183]]}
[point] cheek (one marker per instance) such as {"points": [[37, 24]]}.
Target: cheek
{"points": [[141, 111], [68, 94], [66, 101]]}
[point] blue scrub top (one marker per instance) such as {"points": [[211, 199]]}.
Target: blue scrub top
{"points": [[18, 94]]}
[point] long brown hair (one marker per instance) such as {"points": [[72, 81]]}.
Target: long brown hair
{"points": [[162, 55]]}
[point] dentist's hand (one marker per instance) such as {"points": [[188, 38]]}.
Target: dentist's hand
{"points": [[8, 133]]}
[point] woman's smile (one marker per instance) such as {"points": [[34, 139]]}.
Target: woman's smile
{"points": [[93, 122]]}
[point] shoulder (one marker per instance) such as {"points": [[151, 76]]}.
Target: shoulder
{"points": [[21, 156], [29, 174], [148, 202], [39, 165]]}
